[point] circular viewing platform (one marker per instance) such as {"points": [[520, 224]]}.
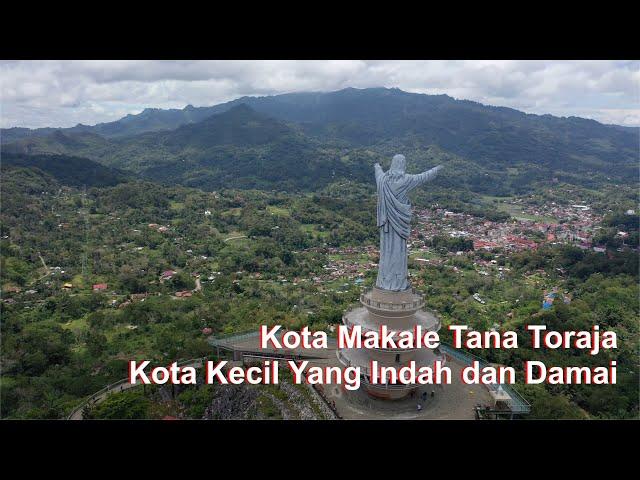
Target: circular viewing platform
{"points": [[388, 301], [361, 358], [360, 317]]}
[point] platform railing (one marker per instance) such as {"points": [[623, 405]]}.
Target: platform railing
{"points": [[415, 305], [366, 373], [349, 324], [389, 386], [233, 337], [516, 402], [347, 362]]}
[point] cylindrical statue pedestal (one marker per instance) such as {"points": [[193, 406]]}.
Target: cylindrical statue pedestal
{"points": [[399, 311]]}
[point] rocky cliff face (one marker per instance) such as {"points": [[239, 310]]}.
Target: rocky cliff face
{"points": [[284, 401]]}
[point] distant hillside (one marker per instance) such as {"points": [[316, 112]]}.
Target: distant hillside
{"points": [[58, 142], [238, 148], [303, 140], [240, 126], [484, 134], [70, 171], [149, 120]]}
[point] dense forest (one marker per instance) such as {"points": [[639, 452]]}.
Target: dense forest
{"points": [[61, 344], [246, 206]]}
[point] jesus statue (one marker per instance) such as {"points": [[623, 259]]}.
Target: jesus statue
{"points": [[394, 221]]}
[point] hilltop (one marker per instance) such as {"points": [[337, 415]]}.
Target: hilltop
{"points": [[302, 140]]}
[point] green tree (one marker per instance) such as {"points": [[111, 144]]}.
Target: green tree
{"points": [[132, 405]]}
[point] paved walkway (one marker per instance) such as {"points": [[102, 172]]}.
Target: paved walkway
{"points": [[100, 397], [119, 386], [450, 402]]}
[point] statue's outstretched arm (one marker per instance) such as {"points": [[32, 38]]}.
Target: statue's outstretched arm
{"points": [[378, 170], [430, 174], [424, 177]]}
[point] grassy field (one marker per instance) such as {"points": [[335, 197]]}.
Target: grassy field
{"points": [[516, 212], [234, 212], [504, 204], [313, 230], [279, 211], [77, 325], [176, 206], [426, 255]]}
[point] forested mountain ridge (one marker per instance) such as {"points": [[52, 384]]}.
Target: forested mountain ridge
{"points": [[239, 126], [149, 120], [483, 134], [367, 116], [304, 140], [59, 142], [68, 171], [236, 148]]}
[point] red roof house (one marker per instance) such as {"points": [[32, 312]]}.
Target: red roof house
{"points": [[167, 274]]}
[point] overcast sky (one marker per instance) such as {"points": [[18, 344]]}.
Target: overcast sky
{"points": [[65, 93]]}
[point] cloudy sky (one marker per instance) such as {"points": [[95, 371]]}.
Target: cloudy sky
{"points": [[65, 93]]}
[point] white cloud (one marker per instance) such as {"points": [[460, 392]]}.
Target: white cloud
{"points": [[64, 93]]}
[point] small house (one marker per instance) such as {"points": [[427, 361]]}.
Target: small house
{"points": [[167, 275]]}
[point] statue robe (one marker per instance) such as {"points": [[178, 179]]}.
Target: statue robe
{"points": [[394, 222]]}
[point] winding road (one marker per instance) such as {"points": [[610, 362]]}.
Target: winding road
{"points": [[120, 386]]}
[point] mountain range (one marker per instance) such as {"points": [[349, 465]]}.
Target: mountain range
{"points": [[307, 140]]}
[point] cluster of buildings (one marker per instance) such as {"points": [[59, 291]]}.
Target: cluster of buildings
{"points": [[571, 224], [575, 224], [562, 224], [352, 263]]}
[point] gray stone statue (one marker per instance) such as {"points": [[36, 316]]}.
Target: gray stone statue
{"points": [[394, 221]]}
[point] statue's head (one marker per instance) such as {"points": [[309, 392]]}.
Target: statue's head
{"points": [[397, 165]]}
